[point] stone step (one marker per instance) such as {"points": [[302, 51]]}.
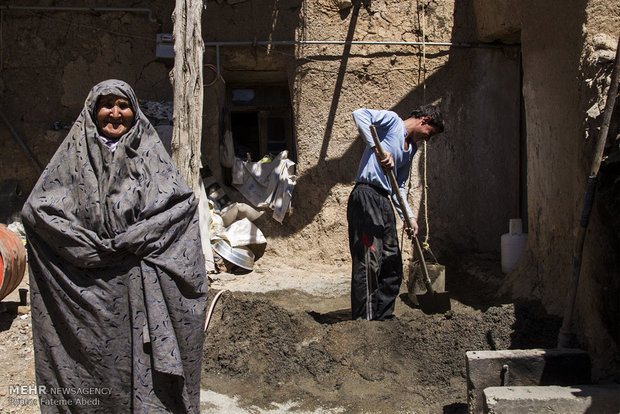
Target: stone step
{"points": [[577, 399], [523, 367]]}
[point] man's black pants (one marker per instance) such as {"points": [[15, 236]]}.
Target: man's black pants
{"points": [[377, 269]]}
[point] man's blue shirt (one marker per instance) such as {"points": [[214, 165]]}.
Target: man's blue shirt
{"points": [[391, 131]]}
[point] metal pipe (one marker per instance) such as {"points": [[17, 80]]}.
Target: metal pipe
{"points": [[345, 42], [91, 9], [217, 59], [255, 43]]}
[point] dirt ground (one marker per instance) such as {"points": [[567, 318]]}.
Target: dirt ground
{"points": [[298, 350], [16, 353], [280, 340]]}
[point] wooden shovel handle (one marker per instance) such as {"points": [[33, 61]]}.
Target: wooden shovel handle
{"points": [[390, 175], [401, 202]]}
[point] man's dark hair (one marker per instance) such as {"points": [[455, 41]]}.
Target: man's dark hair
{"points": [[429, 110]]}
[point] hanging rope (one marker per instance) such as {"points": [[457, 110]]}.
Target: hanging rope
{"points": [[425, 244], [423, 56]]}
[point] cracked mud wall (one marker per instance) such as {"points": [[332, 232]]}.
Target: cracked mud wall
{"points": [[49, 60], [53, 58], [472, 168], [566, 70]]}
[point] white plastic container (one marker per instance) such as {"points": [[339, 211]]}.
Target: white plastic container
{"points": [[513, 244]]}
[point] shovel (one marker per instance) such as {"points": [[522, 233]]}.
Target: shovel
{"points": [[431, 301]]}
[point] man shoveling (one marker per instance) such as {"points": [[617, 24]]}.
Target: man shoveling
{"points": [[377, 269]]}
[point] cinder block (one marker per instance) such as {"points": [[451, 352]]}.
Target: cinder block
{"points": [[523, 367], [591, 399]]}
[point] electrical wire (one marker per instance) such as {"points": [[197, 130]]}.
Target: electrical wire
{"points": [[216, 78], [208, 318]]}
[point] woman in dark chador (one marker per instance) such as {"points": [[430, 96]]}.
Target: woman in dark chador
{"points": [[117, 275]]}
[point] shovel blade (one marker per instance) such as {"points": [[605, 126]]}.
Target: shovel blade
{"points": [[434, 302]]}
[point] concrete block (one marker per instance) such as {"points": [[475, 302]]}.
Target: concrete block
{"points": [[523, 367], [591, 399]]}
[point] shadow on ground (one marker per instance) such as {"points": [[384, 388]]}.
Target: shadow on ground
{"points": [[8, 313]]}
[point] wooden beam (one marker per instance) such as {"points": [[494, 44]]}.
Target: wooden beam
{"points": [[187, 81]]}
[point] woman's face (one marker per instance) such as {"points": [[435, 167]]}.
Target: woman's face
{"points": [[114, 116]]}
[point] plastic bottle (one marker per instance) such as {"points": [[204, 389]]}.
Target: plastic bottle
{"points": [[513, 244]]}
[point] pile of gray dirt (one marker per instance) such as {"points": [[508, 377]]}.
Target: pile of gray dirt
{"points": [[277, 348]]}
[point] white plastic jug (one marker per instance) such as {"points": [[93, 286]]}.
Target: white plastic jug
{"points": [[513, 244]]}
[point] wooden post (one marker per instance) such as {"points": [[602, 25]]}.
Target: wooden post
{"points": [[187, 81]]}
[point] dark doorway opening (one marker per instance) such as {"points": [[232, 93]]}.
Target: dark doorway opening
{"points": [[261, 121]]}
